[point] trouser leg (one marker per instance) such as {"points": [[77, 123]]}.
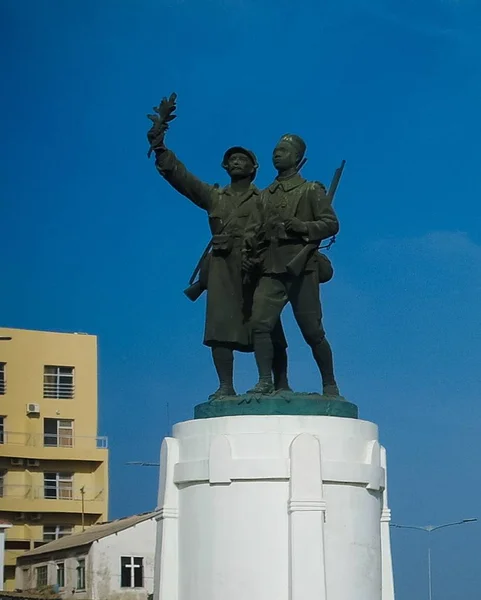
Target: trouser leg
{"points": [[323, 356], [270, 298], [223, 358], [306, 305], [264, 354], [279, 360]]}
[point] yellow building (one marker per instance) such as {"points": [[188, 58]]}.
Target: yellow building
{"points": [[53, 466]]}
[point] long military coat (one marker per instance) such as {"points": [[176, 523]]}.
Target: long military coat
{"points": [[229, 300]]}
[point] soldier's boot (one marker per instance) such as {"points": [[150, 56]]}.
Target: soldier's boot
{"points": [[222, 391], [263, 387], [223, 358], [264, 353], [322, 354], [279, 369]]}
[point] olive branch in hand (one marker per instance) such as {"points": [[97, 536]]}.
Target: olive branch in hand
{"points": [[160, 122]]}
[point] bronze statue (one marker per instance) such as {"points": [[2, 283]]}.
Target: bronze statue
{"points": [[293, 217], [229, 293]]}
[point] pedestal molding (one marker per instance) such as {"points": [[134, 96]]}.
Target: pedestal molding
{"points": [[237, 469], [306, 506]]}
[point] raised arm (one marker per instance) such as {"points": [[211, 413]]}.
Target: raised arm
{"points": [[182, 180], [168, 165]]}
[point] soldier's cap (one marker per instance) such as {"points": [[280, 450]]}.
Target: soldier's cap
{"points": [[297, 142], [240, 150]]}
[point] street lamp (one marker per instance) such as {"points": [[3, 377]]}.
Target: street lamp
{"points": [[429, 529]]}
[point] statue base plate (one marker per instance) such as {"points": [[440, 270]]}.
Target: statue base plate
{"points": [[280, 403]]}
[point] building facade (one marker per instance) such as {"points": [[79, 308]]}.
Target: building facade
{"points": [[4, 525], [110, 561], [53, 466]]}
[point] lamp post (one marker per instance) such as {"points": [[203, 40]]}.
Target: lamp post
{"points": [[82, 491], [429, 529]]}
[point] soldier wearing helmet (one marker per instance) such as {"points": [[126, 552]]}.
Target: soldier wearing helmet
{"points": [[291, 214], [229, 294]]}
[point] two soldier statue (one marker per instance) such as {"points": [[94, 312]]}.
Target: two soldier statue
{"points": [[263, 254]]}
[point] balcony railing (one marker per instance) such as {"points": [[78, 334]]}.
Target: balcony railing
{"points": [[64, 492], [59, 390], [50, 492], [51, 440], [15, 437], [8, 490]]}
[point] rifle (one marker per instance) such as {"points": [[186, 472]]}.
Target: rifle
{"points": [[298, 263], [197, 288]]}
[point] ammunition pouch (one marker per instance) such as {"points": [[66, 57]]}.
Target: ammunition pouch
{"points": [[222, 243]]}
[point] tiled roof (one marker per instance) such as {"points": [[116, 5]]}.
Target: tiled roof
{"points": [[92, 534]]}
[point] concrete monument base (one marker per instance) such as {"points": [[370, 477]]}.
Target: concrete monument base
{"points": [[273, 508]]}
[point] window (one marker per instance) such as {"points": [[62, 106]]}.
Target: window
{"points": [[3, 379], [61, 575], [58, 432], [41, 580], [58, 486], [2, 430], [17, 545], [58, 382], [131, 572], [2, 483], [81, 574], [54, 532]]}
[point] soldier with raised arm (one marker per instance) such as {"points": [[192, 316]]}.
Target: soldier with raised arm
{"points": [[229, 293], [294, 216]]}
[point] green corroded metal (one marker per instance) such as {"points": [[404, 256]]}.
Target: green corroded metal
{"points": [[282, 403]]}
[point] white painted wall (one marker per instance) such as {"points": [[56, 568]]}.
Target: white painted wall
{"points": [[278, 508], [3, 527], [105, 555], [102, 563]]}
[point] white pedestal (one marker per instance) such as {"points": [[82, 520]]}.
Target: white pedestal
{"points": [[273, 508]]}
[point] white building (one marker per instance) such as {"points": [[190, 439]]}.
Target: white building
{"points": [[107, 561], [3, 526]]}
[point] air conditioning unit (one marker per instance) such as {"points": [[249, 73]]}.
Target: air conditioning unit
{"points": [[19, 517], [33, 462], [35, 516], [16, 462], [33, 409]]}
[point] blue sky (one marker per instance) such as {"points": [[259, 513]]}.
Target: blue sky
{"points": [[93, 240]]}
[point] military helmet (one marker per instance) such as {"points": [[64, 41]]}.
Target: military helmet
{"points": [[239, 150], [296, 142]]}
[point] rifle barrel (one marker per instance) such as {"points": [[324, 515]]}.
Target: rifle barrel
{"points": [[335, 180]]}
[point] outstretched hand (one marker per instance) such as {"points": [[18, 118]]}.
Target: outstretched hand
{"points": [[160, 122]]}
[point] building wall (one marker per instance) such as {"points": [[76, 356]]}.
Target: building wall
{"points": [[26, 574], [3, 527], [103, 566], [22, 499], [137, 541]]}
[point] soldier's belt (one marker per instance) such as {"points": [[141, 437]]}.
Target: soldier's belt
{"points": [[287, 241]]}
